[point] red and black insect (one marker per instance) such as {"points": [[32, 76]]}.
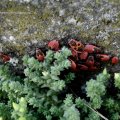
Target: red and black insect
{"points": [[54, 45], [5, 58], [39, 55]]}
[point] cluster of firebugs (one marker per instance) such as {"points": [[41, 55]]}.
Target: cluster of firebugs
{"points": [[85, 57]]}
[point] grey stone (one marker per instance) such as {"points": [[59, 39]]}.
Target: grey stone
{"points": [[24, 23]]}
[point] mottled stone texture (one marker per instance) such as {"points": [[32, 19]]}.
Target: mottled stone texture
{"points": [[25, 23]]}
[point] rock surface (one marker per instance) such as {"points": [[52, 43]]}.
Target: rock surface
{"points": [[26, 24]]}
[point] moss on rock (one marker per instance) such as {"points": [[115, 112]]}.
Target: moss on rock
{"points": [[95, 22]]}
